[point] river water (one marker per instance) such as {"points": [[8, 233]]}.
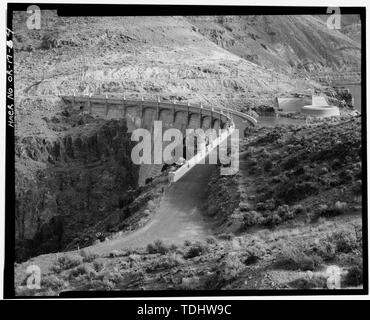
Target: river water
{"points": [[355, 89]]}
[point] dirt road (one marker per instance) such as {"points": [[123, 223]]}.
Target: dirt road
{"points": [[178, 218]]}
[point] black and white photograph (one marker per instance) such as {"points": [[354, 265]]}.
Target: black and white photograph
{"points": [[185, 150]]}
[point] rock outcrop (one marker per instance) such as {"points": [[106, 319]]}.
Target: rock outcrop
{"points": [[66, 186]]}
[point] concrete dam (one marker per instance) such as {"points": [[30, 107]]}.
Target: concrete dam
{"points": [[142, 114], [178, 216]]}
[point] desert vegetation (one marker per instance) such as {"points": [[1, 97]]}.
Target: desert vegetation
{"points": [[291, 214], [263, 237]]}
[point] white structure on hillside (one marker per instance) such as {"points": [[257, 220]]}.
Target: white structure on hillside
{"points": [[320, 108]]}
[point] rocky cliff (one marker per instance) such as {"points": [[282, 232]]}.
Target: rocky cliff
{"points": [[286, 43], [66, 186]]}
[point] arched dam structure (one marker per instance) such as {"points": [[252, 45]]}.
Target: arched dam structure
{"points": [[142, 114]]}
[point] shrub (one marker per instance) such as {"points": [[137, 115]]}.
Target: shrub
{"points": [[325, 249], [345, 241], [195, 250], [66, 262], [232, 266], [157, 247], [290, 163], [121, 278], [83, 269], [98, 266], [328, 212], [270, 204], [260, 206], [49, 40], [214, 281], [358, 232], [187, 243], [273, 220], [211, 240], [292, 192], [345, 176], [299, 209], [166, 262], [313, 283], [354, 277], [357, 188], [268, 165], [52, 282], [225, 236], [115, 254], [295, 259], [252, 218], [173, 247], [299, 171], [251, 259], [284, 212], [113, 278], [87, 256]]}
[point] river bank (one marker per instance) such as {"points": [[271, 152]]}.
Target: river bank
{"points": [[292, 212]]}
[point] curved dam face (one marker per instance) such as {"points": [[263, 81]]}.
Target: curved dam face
{"points": [[179, 120], [142, 114]]}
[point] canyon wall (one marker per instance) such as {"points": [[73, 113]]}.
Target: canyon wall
{"points": [[72, 187]]}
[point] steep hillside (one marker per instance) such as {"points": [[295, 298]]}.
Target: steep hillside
{"points": [[353, 31], [60, 152], [215, 60], [292, 214], [167, 56], [350, 25], [234, 62], [283, 43]]}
